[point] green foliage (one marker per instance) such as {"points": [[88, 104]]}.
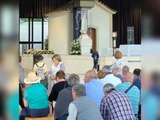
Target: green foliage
{"points": [[75, 47], [33, 51]]}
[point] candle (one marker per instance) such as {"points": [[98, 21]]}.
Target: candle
{"points": [[114, 44], [114, 34]]}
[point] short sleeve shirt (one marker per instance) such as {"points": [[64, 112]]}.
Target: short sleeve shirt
{"points": [[37, 97]]}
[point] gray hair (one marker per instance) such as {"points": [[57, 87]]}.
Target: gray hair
{"points": [[79, 89], [73, 79], [108, 88], [107, 69], [92, 74], [126, 68], [118, 69]]}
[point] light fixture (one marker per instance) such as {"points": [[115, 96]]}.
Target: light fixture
{"points": [[114, 36]]}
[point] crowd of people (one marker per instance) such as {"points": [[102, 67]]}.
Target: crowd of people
{"points": [[112, 93]]}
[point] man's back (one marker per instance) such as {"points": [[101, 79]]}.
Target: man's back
{"points": [[133, 94], [116, 106], [63, 101], [87, 109], [94, 90], [56, 89], [129, 77], [36, 95], [110, 78]]}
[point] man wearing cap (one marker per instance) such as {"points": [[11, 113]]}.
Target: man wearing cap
{"points": [[35, 98]]}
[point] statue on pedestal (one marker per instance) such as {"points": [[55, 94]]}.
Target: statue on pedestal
{"points": [[85, 40], [83, 20]]}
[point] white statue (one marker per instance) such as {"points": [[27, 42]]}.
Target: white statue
{"points": [[85, 40], [83, 20]]}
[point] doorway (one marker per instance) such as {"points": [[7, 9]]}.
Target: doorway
{"points": [[92, 34]]}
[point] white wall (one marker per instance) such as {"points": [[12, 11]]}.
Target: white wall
{"points": [[60, 32], [100, 19]]}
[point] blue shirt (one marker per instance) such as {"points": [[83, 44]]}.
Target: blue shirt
{"points": [[94, 90], [12, 105], [150, 104], [37, 97], [133, 94]]}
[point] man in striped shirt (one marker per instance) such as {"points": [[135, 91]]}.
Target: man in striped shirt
{"points": [[115, 105]]}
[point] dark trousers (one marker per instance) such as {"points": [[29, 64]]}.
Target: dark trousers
{"points": [[139, 112], [45, 82], [2, 105], [96, 66], [20, 97], [64, 117], [26, 112]]}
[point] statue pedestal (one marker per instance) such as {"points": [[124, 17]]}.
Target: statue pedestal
{"points": [[86, 44]]}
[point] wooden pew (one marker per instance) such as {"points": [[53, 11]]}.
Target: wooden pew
{"points": [[41, 118]]}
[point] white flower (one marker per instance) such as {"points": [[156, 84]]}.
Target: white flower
{"points": [[75, 47]]}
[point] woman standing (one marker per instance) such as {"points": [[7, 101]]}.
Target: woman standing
{"points": [[55, 67], [118, 62]]}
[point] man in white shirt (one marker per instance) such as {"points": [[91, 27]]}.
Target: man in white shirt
{"points": [[109, 77]]}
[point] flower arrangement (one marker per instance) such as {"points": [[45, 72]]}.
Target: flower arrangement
{"points": [[36, 51], [75, 47]]}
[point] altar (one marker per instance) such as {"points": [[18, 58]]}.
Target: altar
{"points": [[131, 50]]}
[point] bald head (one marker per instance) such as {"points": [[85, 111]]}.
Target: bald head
{"points": [[90, 75], [125, 70]]}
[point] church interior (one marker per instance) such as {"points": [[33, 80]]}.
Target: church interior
{"points": [[110, 25]]}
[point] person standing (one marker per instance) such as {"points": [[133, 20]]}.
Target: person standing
{"points": [[118, 62], [21, 72], [55, 67], [21, 82], [40, 68]]}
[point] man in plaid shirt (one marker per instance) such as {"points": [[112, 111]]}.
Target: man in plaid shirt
{"points": [[115, 105]]}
